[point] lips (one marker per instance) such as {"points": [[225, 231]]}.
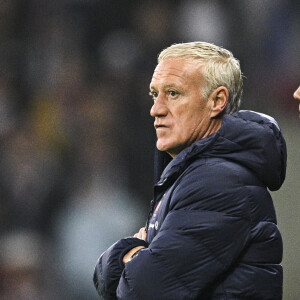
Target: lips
{"points": [[157, 126]]}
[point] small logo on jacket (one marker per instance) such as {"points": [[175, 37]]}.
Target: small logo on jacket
{"points": [[155, 225]]}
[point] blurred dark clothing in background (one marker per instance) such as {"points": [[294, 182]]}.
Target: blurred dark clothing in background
{"points": [[77, 139]]}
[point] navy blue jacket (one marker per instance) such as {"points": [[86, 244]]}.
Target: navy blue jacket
{"points": [[212, 233]]}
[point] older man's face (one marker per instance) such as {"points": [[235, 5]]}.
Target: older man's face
{"points": [[182, 115]]}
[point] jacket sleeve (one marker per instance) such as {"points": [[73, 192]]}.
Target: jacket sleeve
{"points": [[197, 242], [191, 250], [110, 266]]}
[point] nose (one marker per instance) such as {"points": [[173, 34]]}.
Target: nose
{"points": [[297, 94], [159, 108]]}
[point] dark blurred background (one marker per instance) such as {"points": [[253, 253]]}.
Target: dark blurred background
{"points": [[76, 137]]}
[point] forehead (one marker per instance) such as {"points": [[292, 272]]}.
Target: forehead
{"points": [[176, 71]]}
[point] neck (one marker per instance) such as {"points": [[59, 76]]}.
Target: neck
{"points": [[213, 126]]}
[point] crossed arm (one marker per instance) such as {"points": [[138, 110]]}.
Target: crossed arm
{"points": [[140, 235], [182, 248]]}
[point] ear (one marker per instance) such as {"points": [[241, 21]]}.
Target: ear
{"points": [[219, 99]]}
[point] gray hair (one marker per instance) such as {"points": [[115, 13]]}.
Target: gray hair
{"points": [[220, 68]]}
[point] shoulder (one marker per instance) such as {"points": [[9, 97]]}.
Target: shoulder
{"points": [[214, 184], [214, 174]]}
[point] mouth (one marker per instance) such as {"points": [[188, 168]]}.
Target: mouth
{"points": [[159, 126]]}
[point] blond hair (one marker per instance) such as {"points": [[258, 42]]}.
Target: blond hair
{"points": [[220, 68]]}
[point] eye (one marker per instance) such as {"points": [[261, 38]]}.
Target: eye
{"points": [[154, 95], [173, 94]]}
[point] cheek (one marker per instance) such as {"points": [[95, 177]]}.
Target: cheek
{"points": [[187, 123]]}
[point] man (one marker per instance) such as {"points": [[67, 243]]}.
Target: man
{"points": [[211, 232]]}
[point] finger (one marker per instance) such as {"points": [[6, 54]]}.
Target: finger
{"points": [[142, 233], [138, 234]]}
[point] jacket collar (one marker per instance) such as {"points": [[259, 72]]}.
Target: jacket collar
{"points": [[249, 138]]}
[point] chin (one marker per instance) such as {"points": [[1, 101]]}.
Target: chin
{"points": [[161, 146], [167, 148]]}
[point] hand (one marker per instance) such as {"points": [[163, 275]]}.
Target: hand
{"points": [[142, 234], [127, 257]]}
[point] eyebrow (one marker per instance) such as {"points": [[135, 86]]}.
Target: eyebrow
{"points": [[170, 85]]}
